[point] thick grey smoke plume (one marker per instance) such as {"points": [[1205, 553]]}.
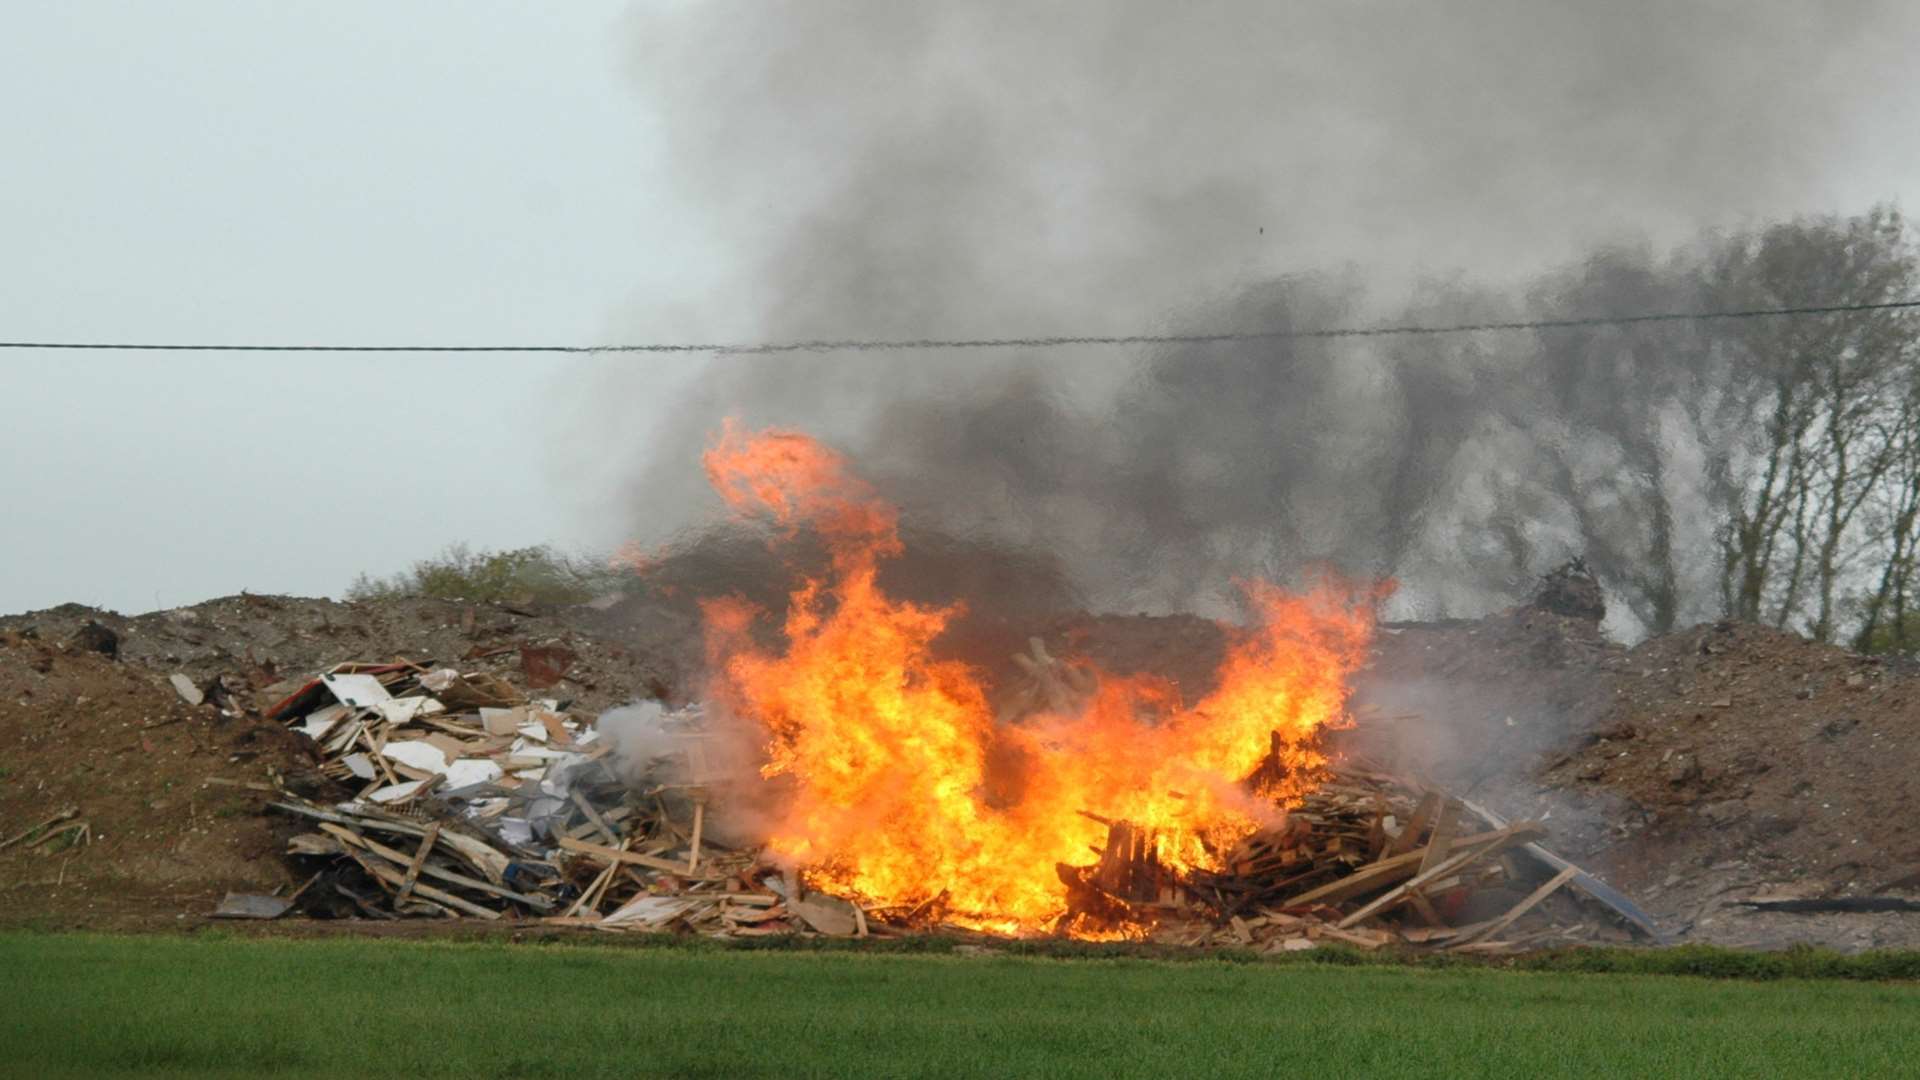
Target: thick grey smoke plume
{"points": [[1112, 166]]}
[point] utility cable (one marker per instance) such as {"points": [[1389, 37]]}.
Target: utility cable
{"points": [[872, 345]]}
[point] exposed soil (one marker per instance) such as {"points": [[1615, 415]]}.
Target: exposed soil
{"points": [[276, 642], [1755, 763], [114, 739], [115, 742], [1695, 770]]}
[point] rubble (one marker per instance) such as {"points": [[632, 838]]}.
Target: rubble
{"points": [[471, 800], [1369, 860]]}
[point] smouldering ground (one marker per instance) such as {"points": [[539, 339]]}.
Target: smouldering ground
{"points": [[95, 1005]]}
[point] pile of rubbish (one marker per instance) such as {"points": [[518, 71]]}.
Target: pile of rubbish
{"points": [[1370, 859], [473, 801]]}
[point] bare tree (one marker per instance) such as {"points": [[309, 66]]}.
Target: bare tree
{"points": [[1611, 398], [1823, 396]]}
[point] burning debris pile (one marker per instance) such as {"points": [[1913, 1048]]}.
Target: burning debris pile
{"points": [[478, 803], [1371, 860], [885, 794]]}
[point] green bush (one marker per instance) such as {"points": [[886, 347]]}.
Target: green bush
{"points": [[529, 575]]}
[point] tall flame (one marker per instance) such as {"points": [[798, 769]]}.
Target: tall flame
{"points": [[905, 789]]}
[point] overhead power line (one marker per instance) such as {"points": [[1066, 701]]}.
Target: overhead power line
{"points": [[870, 345]]}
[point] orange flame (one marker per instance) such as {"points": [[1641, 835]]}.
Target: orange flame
{"points": [[894, 755]]}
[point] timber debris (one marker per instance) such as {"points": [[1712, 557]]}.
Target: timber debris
{"points": [[469, 799]]}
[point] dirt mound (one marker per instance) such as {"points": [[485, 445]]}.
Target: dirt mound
{"points": [[275, 641], [113, 738], [116, 744], [1758, 763]]}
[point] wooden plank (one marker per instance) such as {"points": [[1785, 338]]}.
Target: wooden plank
{"points": [[1585, 882], [1399, 868], [1522, 907], [596, 892], [250, 785], [419, 860], [1445, 825], [1365, 939], [391, 875], [1422, 935], [1418, 899], [1410, 834], [607, 854], [480, 854], [593, 816], [693, 846], [1506, 838], [538, 903]]}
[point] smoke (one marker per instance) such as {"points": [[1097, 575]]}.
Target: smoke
{"points": [[1116, 166], [688, 755]]}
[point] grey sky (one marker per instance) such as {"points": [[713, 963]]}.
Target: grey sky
{"points": [[237, 171], [422, 171]]}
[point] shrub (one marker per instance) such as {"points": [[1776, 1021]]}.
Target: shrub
{"points": [[529, 575]]}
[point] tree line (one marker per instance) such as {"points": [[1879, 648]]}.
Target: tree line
{"points": [[1763, 469]]}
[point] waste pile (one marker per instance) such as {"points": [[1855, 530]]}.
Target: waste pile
{"points": [[470, 800], [474, 801], [1370, 859]]}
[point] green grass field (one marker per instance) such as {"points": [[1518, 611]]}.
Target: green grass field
{"points": [[91, 1005]]}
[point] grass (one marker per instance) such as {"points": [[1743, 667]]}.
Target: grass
{"points": [[95, 1005]]}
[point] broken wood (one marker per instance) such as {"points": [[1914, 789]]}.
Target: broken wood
{"points": [[607, 854], [538, 903], [593, 817], [1499, 841], [693, 845], [1400, 867], [1522, 907], [1410, 836], [1585, 882], [1856, 904], [419, 860], [1446, 821], [56, 819]]}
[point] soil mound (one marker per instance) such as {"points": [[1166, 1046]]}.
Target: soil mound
{"points": [[279, 641], [1756, 763], [117, 744]]}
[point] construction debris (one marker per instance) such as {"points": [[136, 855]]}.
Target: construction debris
{"points": [[250, 906], [1368, 860], [188, 692], [472, 801], [1853, 904]]}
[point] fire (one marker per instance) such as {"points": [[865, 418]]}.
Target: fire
{"points": [[905, 791]]}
